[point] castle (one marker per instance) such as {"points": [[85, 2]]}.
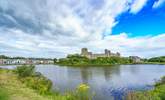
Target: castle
{"points": [[90, 55]]}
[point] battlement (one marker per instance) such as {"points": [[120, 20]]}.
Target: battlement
{"points": [[90, 55]]}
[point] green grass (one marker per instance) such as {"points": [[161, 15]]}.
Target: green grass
{"points": [[3, 94], [13, 88]]}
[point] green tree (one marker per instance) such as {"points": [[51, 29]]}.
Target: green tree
{"points": [[25, 70], [55, 60]]}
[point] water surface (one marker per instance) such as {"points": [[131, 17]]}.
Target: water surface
{"points": [[107, 83]]}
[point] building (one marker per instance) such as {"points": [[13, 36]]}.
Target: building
{"points": [[25, 61], [29, 61], [90, 55], [1, 61], [18, 61], [135, 59]]}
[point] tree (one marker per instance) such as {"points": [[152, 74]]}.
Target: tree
{"points": [[55, 60]]}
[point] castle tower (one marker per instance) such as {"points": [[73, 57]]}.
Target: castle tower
{"points": [[109, 51], [118, 54], [106, 52], [84, 51]]}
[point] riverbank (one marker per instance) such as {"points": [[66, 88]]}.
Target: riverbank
{"points": [[108, 65], [154, 63], [158, 93], [13, 87]]}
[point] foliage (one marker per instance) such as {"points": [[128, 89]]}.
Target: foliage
{"points": [[142, 96], [82, 93], [156, 94], [161, 81], [4, 57], [55, 60], [157, 59], [11, 88], [80, 60], [34, 79], [41, 84], [25, 70]]}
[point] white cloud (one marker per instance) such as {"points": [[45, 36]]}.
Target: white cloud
{"points": [[36, 45], [68, 25], [158, 3], [137, 6]]}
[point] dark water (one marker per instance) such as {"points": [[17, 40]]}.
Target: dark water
{"points": [[107, 83]]}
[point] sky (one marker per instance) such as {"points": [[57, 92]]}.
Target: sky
{"points": [[55, 28]]}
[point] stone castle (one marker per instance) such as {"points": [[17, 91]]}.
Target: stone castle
{"points": [[90, 55]]}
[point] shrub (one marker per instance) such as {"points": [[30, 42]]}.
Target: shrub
{"points": [[41, 84], [25, 70], [34, 80], [83, 92], [156, 94], [161, 81]]}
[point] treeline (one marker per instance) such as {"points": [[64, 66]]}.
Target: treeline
{"points": [[80, 60], [7, 57], [157, 59]]}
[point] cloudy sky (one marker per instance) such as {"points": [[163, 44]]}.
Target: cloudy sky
{"points": [[54, 28]]}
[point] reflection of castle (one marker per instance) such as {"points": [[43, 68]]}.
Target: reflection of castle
{"points": [[90, 55]]}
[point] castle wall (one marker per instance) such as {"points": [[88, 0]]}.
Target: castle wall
{"points": [[90, 55], [94, 56]]}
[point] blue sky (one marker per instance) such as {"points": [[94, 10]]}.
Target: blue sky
{"points": [[55, 28], [148, 21]]}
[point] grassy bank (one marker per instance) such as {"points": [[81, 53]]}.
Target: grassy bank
{"points": [[108, 65], [92, 65], [158, 93], [154, 63], [11, 88], [27, 86]]}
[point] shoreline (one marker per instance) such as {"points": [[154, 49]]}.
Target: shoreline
{"points": [[107, 65], [89, 65]]}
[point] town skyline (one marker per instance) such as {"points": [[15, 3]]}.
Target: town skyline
{"points": [[55, 28]]}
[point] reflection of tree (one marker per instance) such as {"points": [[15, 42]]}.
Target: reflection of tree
{"points": [[107, 73], [86, 74], [110, 71], [134, 69]]}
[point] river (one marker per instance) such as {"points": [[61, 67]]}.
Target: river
{"points": [[106, 83]]}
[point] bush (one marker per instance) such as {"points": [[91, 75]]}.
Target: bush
{"points": [[34, 80], [81, 93], [161, 82], [158, 93], [41, 84], [25, 70]]}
